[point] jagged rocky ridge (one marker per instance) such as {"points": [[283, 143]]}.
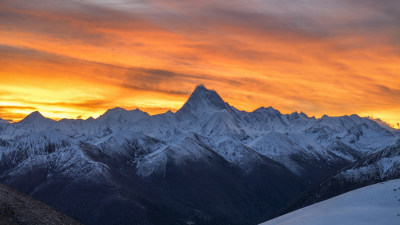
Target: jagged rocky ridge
{"points": [[208, 163]]}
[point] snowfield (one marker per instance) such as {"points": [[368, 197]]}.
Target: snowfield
{"points": [[377, 204]]}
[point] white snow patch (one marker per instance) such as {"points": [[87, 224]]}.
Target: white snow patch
{"points": [[371, 205]]}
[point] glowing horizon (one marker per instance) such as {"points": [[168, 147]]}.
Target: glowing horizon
{"points": [[47, 115], [80, 58]]}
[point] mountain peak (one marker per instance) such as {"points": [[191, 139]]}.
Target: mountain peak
{"points": [[202, 99], [200, 88], [202, 91], [269, 110], [121, 115], [297, 115], [115, 110], [4, 121], [35, 116], [90, 119]]}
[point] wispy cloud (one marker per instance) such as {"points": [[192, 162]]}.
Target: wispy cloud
{"points": [[322, 57]]}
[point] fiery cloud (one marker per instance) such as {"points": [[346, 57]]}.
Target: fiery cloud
{"points": [[78, 58]]}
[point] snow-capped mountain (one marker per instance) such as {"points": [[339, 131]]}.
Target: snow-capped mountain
{"points": [[371, 205], [378, 167], [205, 163]]}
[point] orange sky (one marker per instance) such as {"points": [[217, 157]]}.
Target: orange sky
{"points": [[79, 58]]}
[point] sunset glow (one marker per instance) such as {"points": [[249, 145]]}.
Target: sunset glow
{"points": [[70, 59]]}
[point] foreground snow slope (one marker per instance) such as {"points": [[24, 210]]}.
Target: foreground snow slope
{"points": [[371, 205]]}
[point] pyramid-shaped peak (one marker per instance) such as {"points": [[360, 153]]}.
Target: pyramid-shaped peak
{"points": [[202, 90], [114, 110], [203, 99], [35, 116]]}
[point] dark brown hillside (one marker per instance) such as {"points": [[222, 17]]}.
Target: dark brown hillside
{"points": [[20, 209]]}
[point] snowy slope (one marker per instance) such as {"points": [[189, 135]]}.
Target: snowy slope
{"points": [[371, 205], [378, 167]]}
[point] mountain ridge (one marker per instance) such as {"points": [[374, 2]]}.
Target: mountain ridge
{"points": [[208, 163], [214, 99]]}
